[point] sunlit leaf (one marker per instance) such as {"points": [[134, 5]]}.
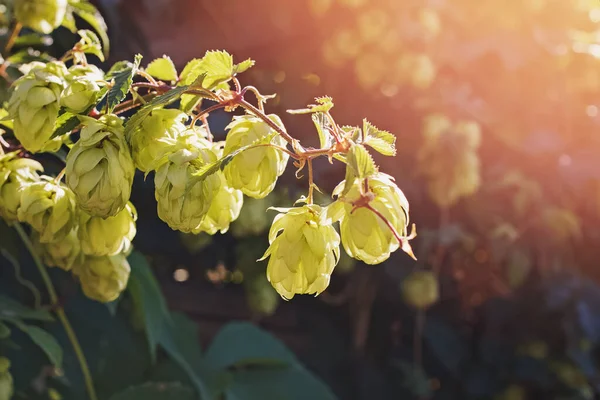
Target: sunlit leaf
{"points": [[163, 68]]}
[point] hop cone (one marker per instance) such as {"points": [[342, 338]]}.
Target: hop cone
{"points": [[155, 136], [108, 236], [49, 208], [6, 379], [449, 159], [304, 250], [365, 235], [15, 174], [100, 168], [183, 204], [40, 15], [34, 106], [254, 171], [103, 278], [65, 254], [83, 88]]}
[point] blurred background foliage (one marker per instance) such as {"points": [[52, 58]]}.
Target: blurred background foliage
{"points": [[496, 109]]}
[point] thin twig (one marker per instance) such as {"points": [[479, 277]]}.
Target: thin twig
{"points": [[12, 38], [268, 121], [207, 111], [310, 182], [89, 383]]}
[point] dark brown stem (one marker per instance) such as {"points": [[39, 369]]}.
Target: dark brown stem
{"points": [[207, 111]]}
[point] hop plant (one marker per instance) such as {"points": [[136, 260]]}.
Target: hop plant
{"points": [[304, 250], [366, 235], [40, 15], [420, 289], [99, 167], [83, 88], [449, 160], [15, 174], [103, 278], [34, 106], [254, 171], [65, 254], [107, 236], [49, 208], [6, 379], [182, 204], [155, 136]]}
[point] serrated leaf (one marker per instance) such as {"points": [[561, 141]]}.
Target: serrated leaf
{"points": [[116, 68], [381, 141], [361, 162], [322, 124], [90, 14], [243, 66], [149, 299], [44, 340], [163, 68], [158, 101], [90, 43], [10, 309], [156, 391], [324, 104], [65, 124], [122, 83]]}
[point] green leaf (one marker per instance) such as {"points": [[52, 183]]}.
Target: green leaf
{"points": [[122, 83], [324, 104], [4, 119], [90, 43], [117, 67], [156, 391], [163, 69], [33, 39], [148, 298], [158, 101], [4, 331], [322, 124], [28, 55], [242, 343], [361, 162], [381, 141], [44, 340], [243, 66], [90, 14], [65, 123], [10, 309]]}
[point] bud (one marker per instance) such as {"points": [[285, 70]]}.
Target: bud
{"points": [[254, 171], [49, 208], [65, 254], [83, 88], [155, 135], [15, 174], [6, 379], [42, 16], [103, 278], [365, 235], [304, 250], [420, 289], [34, 106], [100, 168], [183, 204], [110, 236]]}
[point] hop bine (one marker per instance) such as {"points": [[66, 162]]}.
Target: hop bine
{"points": [[49, 208], [34, 106], [100, 168], [108, 236], [15, 174], [254, 171], [304, 249]]}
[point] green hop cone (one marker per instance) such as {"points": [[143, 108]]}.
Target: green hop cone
{"points": [[254, 171], [100, 168], [103, 278], [108, 236], [182, 203], [65, 254], [365, 235], [155, 136], [6, 379], [420, 289], [34, 106], [83, 88], [49, 208], [304, 249], [15, 174], [42, 16]]}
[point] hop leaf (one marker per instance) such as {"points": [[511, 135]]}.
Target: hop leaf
{"points": [[163, 69], [381, 141], [324, 104], [40, 15], [304, 250]]}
